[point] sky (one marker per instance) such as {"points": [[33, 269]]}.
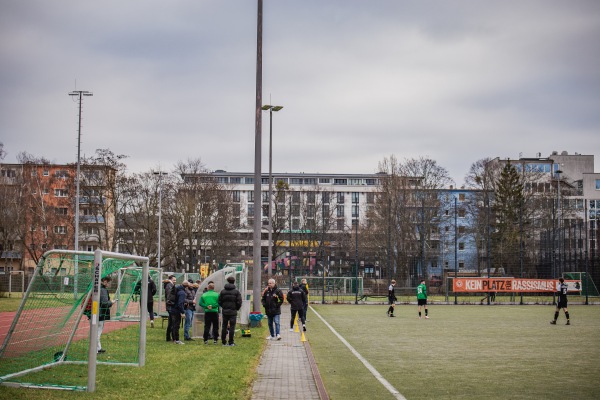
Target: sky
{"points": [[455, 81]]}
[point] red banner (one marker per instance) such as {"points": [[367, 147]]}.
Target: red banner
{"points": [[509, 285]]}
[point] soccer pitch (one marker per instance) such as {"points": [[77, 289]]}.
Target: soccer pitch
{"points": [[461, 352]]}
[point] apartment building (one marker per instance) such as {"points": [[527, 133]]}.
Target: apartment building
{"points": [[38, 211]]}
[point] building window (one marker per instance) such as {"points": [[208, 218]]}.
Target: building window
{"points": [[46, 172], [355, 197], [461, 230], [356, 182], [597, 184], [250, 197], [370, 198], [340, 211], [250, 209], [249, 181], [324, 180], [235, 179], [310, 181], [61, 230], [461, 265], [296, 181], [264, 181], [340, 197], [9, 173], [236, 196], [295, 197], [310, 197], [461, 246], [325, 197], [61, 193], [355, 211], [296, 210], [340, 224], [461, 212], [265, 197], [61, 173], [461, 197], [295, 224], [60, 210], [340, 181], [222, 179]]}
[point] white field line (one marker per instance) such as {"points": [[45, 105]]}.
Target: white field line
{"points": [[372, 369]]}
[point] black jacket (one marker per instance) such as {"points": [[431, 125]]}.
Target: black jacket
{"points": [[151, 290], [304, 288], [230, 300], [272, 300], [297, 298], [189, 298], [167, 286], [105, 304], [180, 306]]}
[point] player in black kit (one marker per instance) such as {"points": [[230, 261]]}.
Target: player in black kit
{"points": [[563, 288], [391, 299]]}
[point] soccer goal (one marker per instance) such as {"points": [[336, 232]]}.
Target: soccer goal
{"points": [[338, 289], [51, 343]]}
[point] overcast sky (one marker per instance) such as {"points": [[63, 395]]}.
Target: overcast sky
{"points": [[456, 81]]}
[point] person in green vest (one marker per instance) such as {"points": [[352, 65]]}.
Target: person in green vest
{"points": [[210, 302], [422, 298]]}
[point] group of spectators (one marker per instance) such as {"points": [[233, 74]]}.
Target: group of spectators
{"points": [[181, 301]]}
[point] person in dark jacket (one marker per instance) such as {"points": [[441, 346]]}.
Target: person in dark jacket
{"points": [[150, 302], [272, 298], [168, 286], [304, 288], [190, 308], [296, 297], [104, 312], [230, 301], [175, 313]]}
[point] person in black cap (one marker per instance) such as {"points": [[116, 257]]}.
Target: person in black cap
{"points": [[230, 301], [296, 297]]}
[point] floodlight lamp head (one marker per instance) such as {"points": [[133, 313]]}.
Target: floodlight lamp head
{"points": [[266, 107], [277, 108]]}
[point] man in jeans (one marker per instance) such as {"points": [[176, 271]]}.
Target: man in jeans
{"points": [[272, 298], [190, 308]]}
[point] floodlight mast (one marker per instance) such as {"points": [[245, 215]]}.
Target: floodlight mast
{"points": [[79, 94]]}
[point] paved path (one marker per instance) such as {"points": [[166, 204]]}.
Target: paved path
{"points": [[287, 369]]}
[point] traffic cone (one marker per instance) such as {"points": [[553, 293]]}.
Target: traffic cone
{"points": [[303, 338]]}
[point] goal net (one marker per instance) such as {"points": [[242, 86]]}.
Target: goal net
{"points": [[52, 341]]}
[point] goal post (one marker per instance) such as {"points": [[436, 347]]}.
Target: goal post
{"points": [[47, 332]]}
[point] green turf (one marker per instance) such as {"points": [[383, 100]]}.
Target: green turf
{"points": [[191, 371], [462, 352]]}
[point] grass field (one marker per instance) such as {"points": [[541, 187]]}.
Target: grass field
{"points": [[191, 371], [461, 352]]}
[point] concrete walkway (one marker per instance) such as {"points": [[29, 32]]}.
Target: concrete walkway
{"points": [[287, 369]]}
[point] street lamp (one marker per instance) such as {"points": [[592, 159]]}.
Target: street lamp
{"points": [[160, 175], [271, 109]]}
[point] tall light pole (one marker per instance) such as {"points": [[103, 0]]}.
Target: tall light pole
{"points": [[558, 218], [271, 109], [256, 237], [79, 94], [160, 175]]}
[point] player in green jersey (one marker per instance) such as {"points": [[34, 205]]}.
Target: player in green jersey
{"points": [[422, 298]]}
